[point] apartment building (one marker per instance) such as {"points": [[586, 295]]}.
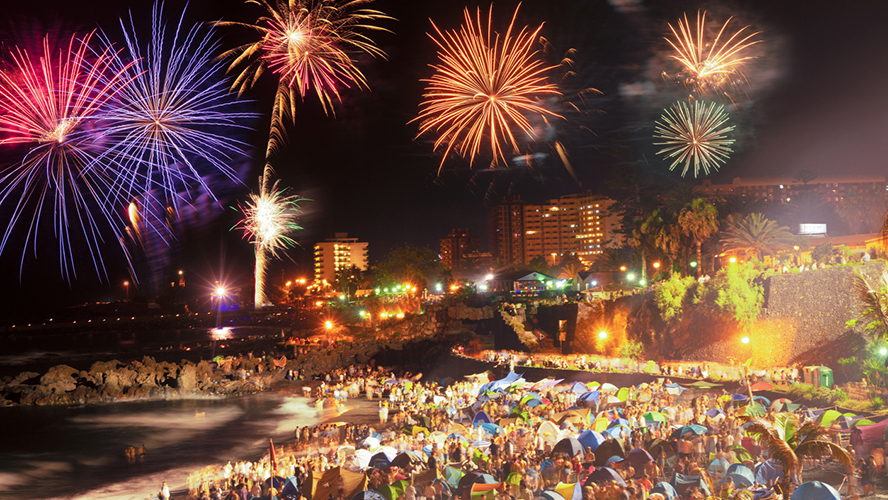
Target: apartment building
{"points": [[339, 252]]}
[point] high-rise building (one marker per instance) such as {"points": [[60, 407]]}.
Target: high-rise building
{"points": [[456, 248], [506, 231], [577, 224], [340, 252]]}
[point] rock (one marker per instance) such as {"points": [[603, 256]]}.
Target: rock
{"points": [[24, 377], [60, 378], [187, 379]]}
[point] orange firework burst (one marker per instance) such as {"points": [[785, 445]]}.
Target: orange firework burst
{"points": [[483, 87], [307, 43], [710, 65]]}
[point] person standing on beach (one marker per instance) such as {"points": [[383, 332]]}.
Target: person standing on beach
{"points": [[164, 492]]}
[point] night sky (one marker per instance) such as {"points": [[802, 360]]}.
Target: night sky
{"points": [[815, 99]]}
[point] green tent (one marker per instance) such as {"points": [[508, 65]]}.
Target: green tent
{"points": [[393, 491]]}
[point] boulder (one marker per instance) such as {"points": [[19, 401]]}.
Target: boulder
{"points": [[60, 378], [24, 377], [187, 379]]}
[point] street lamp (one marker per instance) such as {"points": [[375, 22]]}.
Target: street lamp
{"points": [[630, 276], [602, 335], [745, 340], [656, 265], [328, 325], [732, 260], [883, 351], [623, 268], [126, 285]]}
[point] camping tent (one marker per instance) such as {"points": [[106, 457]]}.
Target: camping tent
{"points": [[815, 490], [665, 489], [683, 484]]}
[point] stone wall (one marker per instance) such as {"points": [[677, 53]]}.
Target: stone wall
{"points": [[817, 304]]}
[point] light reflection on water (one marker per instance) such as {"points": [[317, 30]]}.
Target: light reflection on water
{"points": [[78, 452]]}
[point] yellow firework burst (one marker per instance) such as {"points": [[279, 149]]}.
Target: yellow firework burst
{"points": [[484, 87], [710, 65]]}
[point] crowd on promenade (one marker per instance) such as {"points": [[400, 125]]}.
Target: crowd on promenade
{"points": [[507, 439]]}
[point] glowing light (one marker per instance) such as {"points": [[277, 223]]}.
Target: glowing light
{"points": [[642, 282], [439, 287], [656, 265], [745, 340], [623, 268], [221, 333], [602, 335], [630, 276], [693, 263], [221, 291], [883, 351], [696, 137], [328, 325], [483, 88], [732, 260], [268, 221], [488, 277], [400, 315], [48, 98], [710, 65]]}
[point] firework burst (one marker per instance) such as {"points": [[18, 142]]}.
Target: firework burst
{"points": [[166, 125], [47, 100], [308, 44], [269, 220], [710, 66], [484, 87], [696, 135]]}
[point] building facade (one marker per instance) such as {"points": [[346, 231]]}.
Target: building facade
{"points": [[459, 250], [781, 189], [577, 224], [339, 252]]}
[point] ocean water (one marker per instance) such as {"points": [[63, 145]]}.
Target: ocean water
{"points": [[79, 452]]}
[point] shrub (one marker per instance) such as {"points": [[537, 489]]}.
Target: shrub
{"points": [[822, 395], [876, 403], [670, 296], [631, 349], [839, 395], [735, 290]]}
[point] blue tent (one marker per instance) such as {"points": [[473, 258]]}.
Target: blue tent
{"points": [[578, 388], [683, 484], [665, 489], [569, 445], [712, 412], [368, 495], [589, 396], [718, 466], [685, 430], [380, 461], [590, 439], [291, 489], [767, 471], [815, 490], [741, 475], [482, 417], [501, 384], [613, 432], [491, 429], [618, 421]]}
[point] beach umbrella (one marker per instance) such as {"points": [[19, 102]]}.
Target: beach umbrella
{"points": [[569, 445], [686, 430], [549, 495], [665, 489], [654, 416], [712, 412], [570, 491], [368, 495], [761, 386], [590, 439], [815, 490], [452, 476], [638, 458], [604, 475]]}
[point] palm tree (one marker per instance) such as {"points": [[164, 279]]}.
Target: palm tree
{"points": [[789, 441], [755, 236], [873, 297], [571, 271], [699, 221]]}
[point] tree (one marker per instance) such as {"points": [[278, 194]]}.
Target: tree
{"points": [[610, 259], [409, 264], [571, 271], [755, 236], [863, 208], [874, 299], [790, 441], [699, 221], [539, 265]]}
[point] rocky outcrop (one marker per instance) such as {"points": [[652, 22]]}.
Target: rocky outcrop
{"points": [[464, 312]]}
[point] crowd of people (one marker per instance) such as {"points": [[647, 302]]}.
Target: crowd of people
{"points": [[510, 433]]}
